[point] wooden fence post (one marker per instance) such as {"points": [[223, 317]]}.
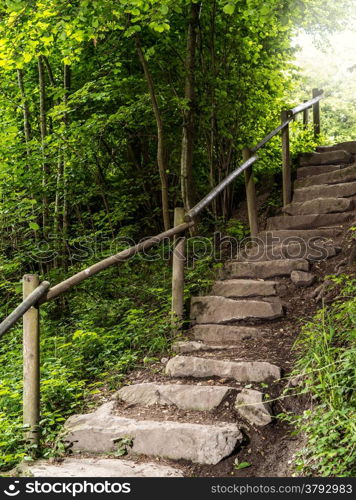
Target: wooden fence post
{"points": [[286, 160], [305, 117], [316, 113], [31, 365], [178, 269], [250, 194]]}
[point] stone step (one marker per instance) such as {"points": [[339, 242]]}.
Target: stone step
{"points": [[243, 371], [265, 269], [345, 190], [325, 158], [224, 334], [319, 206], [310, 221], [349, 146], [212, 309], [314, 250], [303, 172], [244, 288], [105, 432], [100, 467], [347, 174], [188, 346], [297, 235], [185, 397]]}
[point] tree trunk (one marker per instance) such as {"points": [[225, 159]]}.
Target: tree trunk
{"points": [[26, 111], [161, 152], [189, 112], [43, 128], [64, 173]]}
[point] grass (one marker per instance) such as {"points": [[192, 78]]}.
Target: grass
{"points": [[327, 365]]}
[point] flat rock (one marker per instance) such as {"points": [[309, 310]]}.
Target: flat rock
{"points": [[244, 288], [303, 172], [101, 467], [319, 206], [345, 190], [244, 371], [265, 269], [300, 278], [347, 174], [310, 221], [349, 146], [224, 334], [277, 237], [213, 309], [312, 250], [185, 346], [186, 397], [249, 403], [102, 431], [325, 158]]}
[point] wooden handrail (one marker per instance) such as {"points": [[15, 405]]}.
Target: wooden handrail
{"points": [[43, 294], [193, 212], [20, 310], [112, 260], [307, 104]]}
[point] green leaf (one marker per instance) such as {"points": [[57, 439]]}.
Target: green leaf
{"points": [[242, 465], [34, 226], [229, 9]]}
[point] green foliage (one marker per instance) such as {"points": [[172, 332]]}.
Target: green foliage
{"points": [[327, 367]]}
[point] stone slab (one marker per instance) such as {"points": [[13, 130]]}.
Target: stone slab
{"points": [[102, 432], [349, 146], [325, 158], [311, 221], [303, 172], [224, 334], [244, 371], [265, 269], [320, 206], [211, 309], [249, 403], [185, 397], [101, 467], [244, 288], [300, 278], [345, 190], [347, 174]]}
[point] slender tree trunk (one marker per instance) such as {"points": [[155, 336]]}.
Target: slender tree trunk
{"points": [[43, 128], [26, 111], [64, 173], [161, 151], [189, 112], [27, 133]]}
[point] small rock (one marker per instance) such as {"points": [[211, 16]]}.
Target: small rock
{"points": [[301, 278], [164, 361], [249, 403]]}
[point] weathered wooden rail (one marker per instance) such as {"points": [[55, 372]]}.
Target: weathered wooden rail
{"points": [[36, 293]]}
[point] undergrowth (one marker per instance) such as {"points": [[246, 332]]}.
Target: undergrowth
{"points": [[90, 338], [327, 368]]}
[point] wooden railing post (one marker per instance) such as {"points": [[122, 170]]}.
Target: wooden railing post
{"points": [[178, 269], [316, 113], [286, 161], [250, 194], [305, 117], [31, 365]]}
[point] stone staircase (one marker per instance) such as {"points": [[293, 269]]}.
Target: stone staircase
{"points": [[198, 410]]}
